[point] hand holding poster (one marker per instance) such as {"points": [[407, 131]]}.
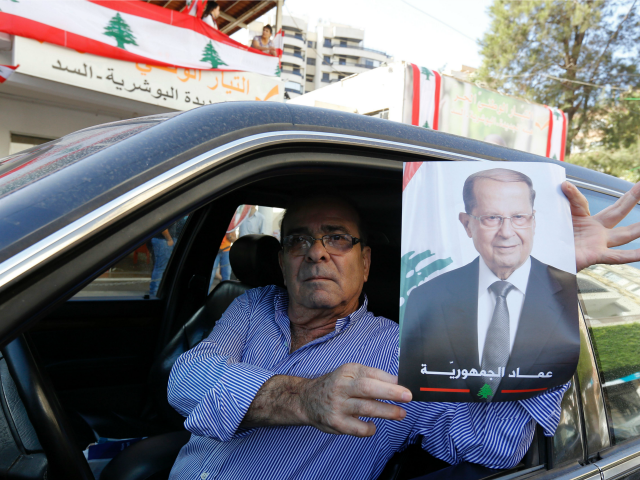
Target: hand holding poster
{"points": [[488, 308]]}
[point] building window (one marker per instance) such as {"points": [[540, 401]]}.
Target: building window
{"points": [[293, 87], [311, 44], [343, 43], [342, 61], [311, 61], [340, 77], [325, 78], [326, 60], [327, 43], [310, 78], [23, 142]]}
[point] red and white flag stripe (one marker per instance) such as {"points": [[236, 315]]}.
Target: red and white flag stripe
{"points": [[134, 31], [426, 97], [6, 71], [195, 8], [278, 43]]}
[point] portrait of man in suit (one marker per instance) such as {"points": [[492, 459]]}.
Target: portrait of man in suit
{"points": [[503, 327]]}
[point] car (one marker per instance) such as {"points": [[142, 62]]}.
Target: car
{"points": [[87, 349]]}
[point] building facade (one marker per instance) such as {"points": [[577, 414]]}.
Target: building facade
{"points": [[314, 57]]}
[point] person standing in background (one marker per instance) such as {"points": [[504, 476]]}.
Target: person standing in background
{"points": [[222, 259], [162, 246], [264, 42], [254, 223], [211, 14]]}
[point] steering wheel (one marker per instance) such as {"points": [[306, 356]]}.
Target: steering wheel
{"points": [[46, 414]]}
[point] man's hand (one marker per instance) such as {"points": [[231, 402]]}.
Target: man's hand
{"points": [[594, 235], [331, 403]]}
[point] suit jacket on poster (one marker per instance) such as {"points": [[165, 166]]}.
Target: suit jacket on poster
{"points": [[440, 324]]}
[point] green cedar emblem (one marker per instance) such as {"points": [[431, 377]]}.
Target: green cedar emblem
{"points": [[278, 71], [119, 30], [211, 55], [426, 72], [485, 392], [426, 125], [556, 114]]}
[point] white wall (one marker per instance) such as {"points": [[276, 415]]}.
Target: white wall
{"points": [[39, 120]]}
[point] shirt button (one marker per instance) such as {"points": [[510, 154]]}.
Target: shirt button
{"points": [[204, 476]]}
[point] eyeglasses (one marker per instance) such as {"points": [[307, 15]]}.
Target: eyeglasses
{"points": [[334, 244], [521, 220]]}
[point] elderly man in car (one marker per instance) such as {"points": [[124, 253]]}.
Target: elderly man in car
{"points": [[301, 383]]}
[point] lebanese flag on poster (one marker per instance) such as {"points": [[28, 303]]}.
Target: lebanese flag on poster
{"points": [[278, 43], [426, 97], [556, 141], [133, 31], [6, 71]]}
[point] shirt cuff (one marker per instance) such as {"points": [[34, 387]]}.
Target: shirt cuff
{"points": [[546, 408], [220, 412]]}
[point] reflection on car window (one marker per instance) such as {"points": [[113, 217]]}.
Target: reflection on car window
{"points": [[247, 219], [610, 298], [139, 274]]}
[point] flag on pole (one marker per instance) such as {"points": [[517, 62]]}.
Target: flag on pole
{"points": [[133, 31], [6, 71]]}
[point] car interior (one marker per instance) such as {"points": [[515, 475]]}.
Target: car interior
{"points": [[97, 367]]}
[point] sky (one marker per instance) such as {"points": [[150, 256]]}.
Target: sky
{"points": [[406, 29]]}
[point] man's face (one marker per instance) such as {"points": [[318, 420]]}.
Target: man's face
{"points": [[318, 280], [503, 249]]}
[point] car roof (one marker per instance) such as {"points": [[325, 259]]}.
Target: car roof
{"points": [[52, 185]]}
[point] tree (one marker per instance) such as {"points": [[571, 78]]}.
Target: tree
{"points": [[119, 30], [623, 162], [563, 54], [485, 392], [210, 55]]}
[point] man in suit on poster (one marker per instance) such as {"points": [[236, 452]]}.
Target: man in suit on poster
{"points": [[501, 327]]}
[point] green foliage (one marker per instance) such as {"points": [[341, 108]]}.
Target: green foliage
{"points": [[617, 349], [591, 41], [623, 162], [120, 30], [485, 392], [209, 54]]}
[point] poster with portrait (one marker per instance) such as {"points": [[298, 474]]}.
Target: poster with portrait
{"points": [[488, 301]]}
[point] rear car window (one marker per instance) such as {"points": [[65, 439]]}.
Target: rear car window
{"points": [[139, 274], [247, 219], [610, 299]]}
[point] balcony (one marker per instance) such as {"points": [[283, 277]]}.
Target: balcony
{"points": [[350, 67], [360, 52], [292, 72], [293, 59], [297, 40]]}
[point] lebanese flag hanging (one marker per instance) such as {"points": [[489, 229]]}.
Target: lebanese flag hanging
{"points": [[6, 71], [556, 141], [278, 43], [195, 8], [426, 97], [132, 31]]}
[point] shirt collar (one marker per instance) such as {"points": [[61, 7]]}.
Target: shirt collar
{"points": [[519, 278]]}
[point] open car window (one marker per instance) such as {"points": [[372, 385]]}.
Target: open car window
{"points": [[140, 273], [610, 299]]}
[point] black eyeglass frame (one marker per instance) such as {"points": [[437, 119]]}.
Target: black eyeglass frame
{"points": [[311, 240], [532, 216]]}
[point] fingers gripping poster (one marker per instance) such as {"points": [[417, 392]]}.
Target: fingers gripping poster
{"points": [[488, 301]]}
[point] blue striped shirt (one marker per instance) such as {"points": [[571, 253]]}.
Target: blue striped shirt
{"points": [[214, 383]]}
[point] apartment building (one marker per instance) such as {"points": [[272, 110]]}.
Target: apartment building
{"points": [[315, 57]]}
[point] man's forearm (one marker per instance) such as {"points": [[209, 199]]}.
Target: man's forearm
{"points": [[278, 402]]}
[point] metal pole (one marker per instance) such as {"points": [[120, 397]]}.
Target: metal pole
{"points": [[279, 4]]}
